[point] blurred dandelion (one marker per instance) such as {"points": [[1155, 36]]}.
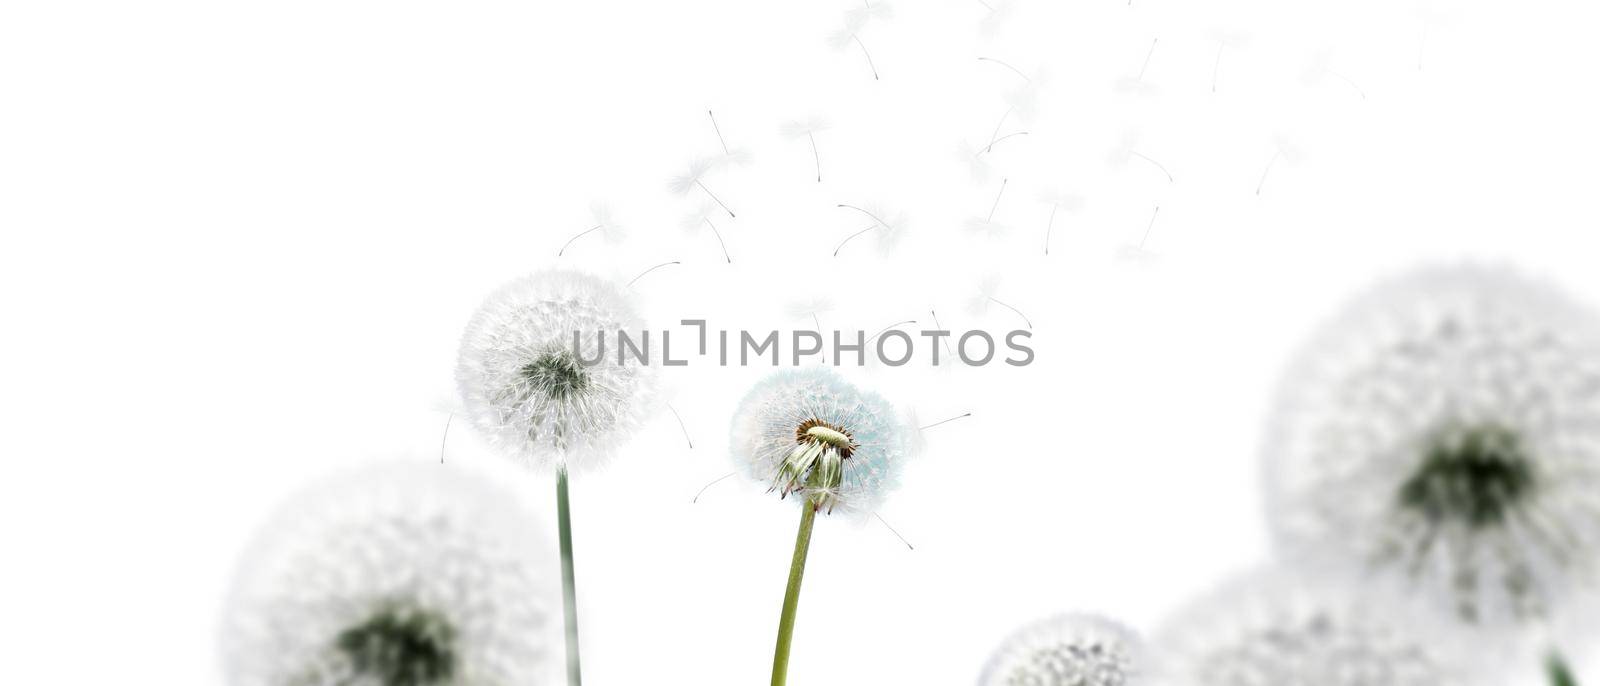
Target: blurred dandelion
{"points": [[1442, 435], [1282, 150], [808, 129], [809, 433], [1321, 67], [1058, 200], [694, 177], [1069, 650], [601, 221], [1266, 629], [1127, 150], [536, 381], [402, 573]]}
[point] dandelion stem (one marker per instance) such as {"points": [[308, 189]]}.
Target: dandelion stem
{"points": [[944, 421], [445, 441], [715, 198], [1008, 66], [1217, 66], [647, 271], [718, 129], [1149, 226], [853, 235], [1147, 56], [791, 595], [996, 134], [1049, 226], [864, 51], [1267, 170], [569, 594], [997, 197], [1158, 165], [996, 141], [718, 234], [891, 529], [1560, 673], [714, 482], [1025, 319], [1349, 82], [568, 244], [681, 426], [815, 156]]}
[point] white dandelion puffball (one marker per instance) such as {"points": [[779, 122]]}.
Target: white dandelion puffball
{"points": [[810, 433], [543, 372], [1068, 650], [407, 574], [1264, 630], [1443, 435]]}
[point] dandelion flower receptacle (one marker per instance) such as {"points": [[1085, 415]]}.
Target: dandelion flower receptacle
{"points": [[810, 435], [1069, 650], [412, 573], [1443, 436], [538, 381]]}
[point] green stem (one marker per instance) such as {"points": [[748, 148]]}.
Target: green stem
{"points": [[791, 596], [569, 592], [1560, 674]]}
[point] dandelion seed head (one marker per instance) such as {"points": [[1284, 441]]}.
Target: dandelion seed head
{"points": [[1068, 650], [809, 433], [1443, 436], [1266, 630], [539, 372], [404, 575]]}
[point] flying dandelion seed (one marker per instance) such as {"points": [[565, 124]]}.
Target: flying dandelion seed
{"points": [[718, 129], [401, 573], [1140, 252], [988, 226], [1282, 150], [1321, 66], [1137, 84], [651, 269], [701, 220], [601, 221], [1069, 650], [888, 228], [1127, 150], [811, 308], [694, 178], [987, 290], [1225, 39], [808, 130], [847, 37], [1058, 200], [1267, 629]]}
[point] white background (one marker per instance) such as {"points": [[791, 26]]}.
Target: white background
{"points": [[240, 241]]}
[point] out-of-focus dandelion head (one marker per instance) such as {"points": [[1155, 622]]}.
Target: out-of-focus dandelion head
{"points": [[1443, 434], [1266, 630], [538, 377], [810, 433], [405, 575], [1068, 650]]}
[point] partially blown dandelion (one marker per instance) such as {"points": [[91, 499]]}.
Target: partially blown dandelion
{"points": [[810, 434], [538, 383], [1068, 650], [404, 575], [1443, 435], [1264, 630]]}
